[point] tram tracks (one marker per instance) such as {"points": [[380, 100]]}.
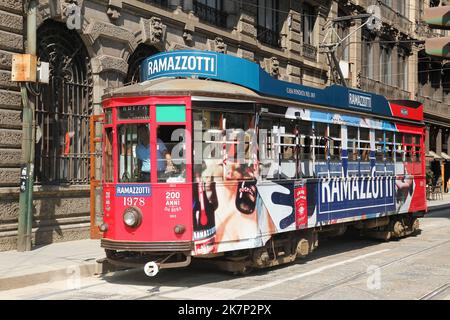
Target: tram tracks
{"points": [[364, 273], [438, 293]]}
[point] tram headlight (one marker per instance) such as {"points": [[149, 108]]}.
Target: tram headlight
{"points": [[132, 217]]}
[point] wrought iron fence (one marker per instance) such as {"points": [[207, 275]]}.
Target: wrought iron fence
{"points": [[268, 36], [63, 108]]}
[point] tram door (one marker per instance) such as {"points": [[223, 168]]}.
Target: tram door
{"points": [[171, 173]]}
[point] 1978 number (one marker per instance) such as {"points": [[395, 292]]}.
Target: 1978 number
{"points": [[133, 201]]}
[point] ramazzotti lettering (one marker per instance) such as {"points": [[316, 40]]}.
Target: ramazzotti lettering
{"points": [[201, 63], [132, 190], [360, 100], [362, 188]]}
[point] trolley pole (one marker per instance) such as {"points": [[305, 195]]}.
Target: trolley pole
{"points": [[28, 139]]}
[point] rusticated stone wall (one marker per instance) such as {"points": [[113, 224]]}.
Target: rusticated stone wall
{"points": [[11, 41]]}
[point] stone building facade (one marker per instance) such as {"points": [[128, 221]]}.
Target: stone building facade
{"points": [[93, 45]]}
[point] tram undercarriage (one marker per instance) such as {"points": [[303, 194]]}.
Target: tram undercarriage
{"points": [[280, 249]]}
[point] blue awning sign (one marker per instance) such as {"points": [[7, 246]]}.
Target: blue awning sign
{"points": [[227, 68]]}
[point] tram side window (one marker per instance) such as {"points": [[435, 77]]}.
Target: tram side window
{"points": [[208, 144], [108, 154], [288, 148], [171, 153], [379, 145], [239, 154], [417, 149], [268, 148], [352, 143], [227, 150], [305, 134], [409, 148], [364, 144], [320, 141], [399, 149], [389, 152], [335, 142], [134, 153]]}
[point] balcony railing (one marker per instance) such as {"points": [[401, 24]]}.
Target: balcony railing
{"points": [[268, 36], [160, 3], [210, 15], [309, 51], [390, 92]]}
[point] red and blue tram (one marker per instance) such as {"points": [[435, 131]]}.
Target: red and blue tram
{"points": [[210, 157]]}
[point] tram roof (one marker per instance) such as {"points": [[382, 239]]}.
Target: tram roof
{"points": [[235, 77], [185, 87]]}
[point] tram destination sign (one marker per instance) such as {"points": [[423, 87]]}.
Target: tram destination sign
{"points": [[231, 69], [134, 112], [133, 190]]}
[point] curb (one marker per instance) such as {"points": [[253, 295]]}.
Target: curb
{"points": [[439, 207], [98, 267]]}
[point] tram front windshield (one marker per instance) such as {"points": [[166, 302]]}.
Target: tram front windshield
{"points": [[135, 147]]}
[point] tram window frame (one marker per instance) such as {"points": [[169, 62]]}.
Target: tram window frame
{"points": [[305, 136], [389, 146], [245, 167], [268, 149], [175, 168], [108, 116], [408, 147], [135, 175], [335, 142], [320, 130], [418, 149], [288, 143], [108, 152], [364, 144], [214, 125], [399, 147], [352, 143], [379, 145]]}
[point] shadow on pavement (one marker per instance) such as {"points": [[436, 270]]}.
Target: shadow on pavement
{"points": [[200, 272]]}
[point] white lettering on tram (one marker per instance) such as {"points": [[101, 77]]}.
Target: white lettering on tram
{"points": [[132, 190], [359, 100], [361, 188], [199, 63]]}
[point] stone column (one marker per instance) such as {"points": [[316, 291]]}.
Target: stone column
{"points": [[376, 54], [293, 39], [448, 144], [246, 28], [413, 86], [439, 141], [355, 53]]}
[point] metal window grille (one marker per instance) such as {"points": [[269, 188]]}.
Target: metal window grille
{"points": [[211, 11], [63, 108], [268, 23]]}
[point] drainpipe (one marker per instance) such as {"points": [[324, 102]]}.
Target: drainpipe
{"points": [[28, 138]]}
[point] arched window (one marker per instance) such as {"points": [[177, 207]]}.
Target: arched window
{"points": [[134, 62], [63, 107]]}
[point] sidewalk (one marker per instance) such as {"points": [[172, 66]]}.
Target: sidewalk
{"points": [[52, 262], [439, 204]]}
